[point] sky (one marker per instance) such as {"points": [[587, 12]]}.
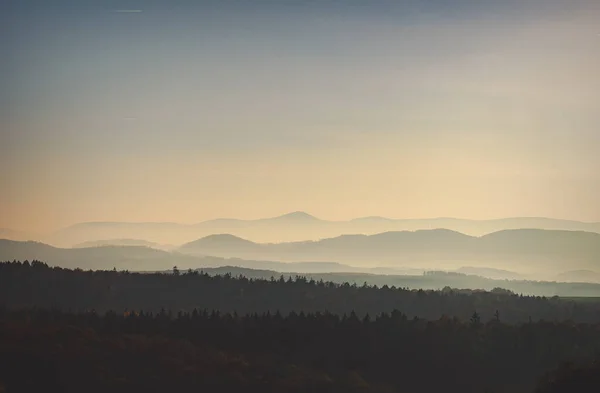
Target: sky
{"points": [[184, 111]]}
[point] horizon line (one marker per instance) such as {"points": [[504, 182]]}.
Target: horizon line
{"points": [[325, 220], [179, 245]]}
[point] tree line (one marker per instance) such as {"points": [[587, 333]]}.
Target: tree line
{"points": [[27, 284], [206, 350], [73, 330]]}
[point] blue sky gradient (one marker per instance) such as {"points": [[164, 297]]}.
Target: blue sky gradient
{"points": [[235, 108]]}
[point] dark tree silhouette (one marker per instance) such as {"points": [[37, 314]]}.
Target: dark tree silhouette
{"points": [[73, 330], [37, 284]]}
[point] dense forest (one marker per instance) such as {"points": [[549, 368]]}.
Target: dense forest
{"points": [[48, 350], [37, 284], [430, 280], [73, 330]]}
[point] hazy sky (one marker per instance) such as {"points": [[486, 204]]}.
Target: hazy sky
{"points": [[193, 110]]}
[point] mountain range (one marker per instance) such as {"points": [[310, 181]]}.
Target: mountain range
{"points": [[124, 242], [143, 258], [296, 226], [513, 255], [523, 250], [529, 252], [435, 280]]}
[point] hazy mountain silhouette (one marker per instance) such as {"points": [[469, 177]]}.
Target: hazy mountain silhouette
{"points": [[579, 276], [399, 242], [294, 217], [372, 219], [526, 249], [488, 272], [538, 241], [214, 245], [296, 226], [430, 280], [104, 257], [141, 258], [155, 232], [123, 242], [136, 258]]}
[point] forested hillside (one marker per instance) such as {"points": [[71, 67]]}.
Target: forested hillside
{"points": [[302, 352], [531, 250], [36, 284], [73, 330]]}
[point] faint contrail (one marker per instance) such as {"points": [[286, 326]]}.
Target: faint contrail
{"points": [[127, 11]]}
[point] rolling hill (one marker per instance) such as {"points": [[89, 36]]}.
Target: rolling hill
{"points": [[432, 281], [140, 258], [124, 242], [525, 251], [294, 226], [103, 257], [530, 253]]}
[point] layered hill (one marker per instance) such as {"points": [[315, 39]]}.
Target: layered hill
{"points": [[102, 257], [123, 242], [526, 253], [525, 249], [140, 258], [294, 226]]}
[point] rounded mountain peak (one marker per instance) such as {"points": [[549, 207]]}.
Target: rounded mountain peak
{"points": [[298, 215]]}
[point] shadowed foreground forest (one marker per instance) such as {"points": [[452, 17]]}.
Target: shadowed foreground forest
{"points": [[71, 330], [143, 352], [37, 284]]}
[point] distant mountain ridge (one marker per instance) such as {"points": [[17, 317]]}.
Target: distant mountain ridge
{"points": [[99, 257], [541, 249], [505, 255], [123, 242], [142, 258], [296, 226]]}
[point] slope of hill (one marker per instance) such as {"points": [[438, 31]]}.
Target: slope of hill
{"points": [[155, 232], [588, 276], [215, 243], [554, 242], [139, 258], [487, 272], [296, 226], [135, 258], [427, 281], [123, 242], [523, 250], [104, 257], [532, 253], [294, 217]]}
